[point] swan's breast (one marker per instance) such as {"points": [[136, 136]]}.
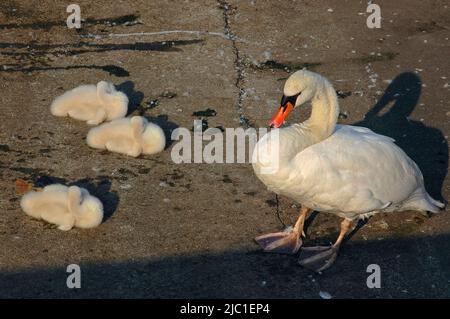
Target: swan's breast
{"points": [[273, 153]]}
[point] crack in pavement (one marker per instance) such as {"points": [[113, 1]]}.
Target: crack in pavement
{"points": [[239, 65], [227, 12]]}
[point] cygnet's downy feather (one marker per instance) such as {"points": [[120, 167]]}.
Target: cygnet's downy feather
{"points": [[64, 206], [130, 136], [92, 103]]}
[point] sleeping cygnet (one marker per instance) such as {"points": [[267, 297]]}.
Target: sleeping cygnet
{"points": [[130, 136], [92, 103], [64, 206]]}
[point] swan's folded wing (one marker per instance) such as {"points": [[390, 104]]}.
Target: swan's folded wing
{"points": [[354, 170]]}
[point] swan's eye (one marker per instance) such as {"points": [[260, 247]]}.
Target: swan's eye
{"points": [[292, 99]]}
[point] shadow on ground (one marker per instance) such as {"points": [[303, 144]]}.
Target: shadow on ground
{"points": [[413, 267], [166, 125], [134, 97]]}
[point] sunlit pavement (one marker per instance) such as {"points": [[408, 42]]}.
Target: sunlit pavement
{"points": [[186, 230]]}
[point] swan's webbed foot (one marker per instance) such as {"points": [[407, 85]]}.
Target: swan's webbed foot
{"points": [[65, 227], [134, 153], [288, 241], [99, 118], [318, 258], [93, 122], [281, 242]]}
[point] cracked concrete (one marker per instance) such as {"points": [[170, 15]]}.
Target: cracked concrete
{"points": [[186, 230], [238, 62]]}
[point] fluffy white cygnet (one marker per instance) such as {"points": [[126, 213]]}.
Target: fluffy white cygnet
{"points": [[64, 206], [92, 103], [130, 136]]}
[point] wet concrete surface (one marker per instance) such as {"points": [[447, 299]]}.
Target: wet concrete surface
{"points": [[186, 230]]}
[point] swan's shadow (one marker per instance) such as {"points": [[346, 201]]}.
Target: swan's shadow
{"points": [[425, 145], [100, 189]]}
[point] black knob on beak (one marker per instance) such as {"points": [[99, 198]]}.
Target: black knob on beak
{"points": [[285, 99]]}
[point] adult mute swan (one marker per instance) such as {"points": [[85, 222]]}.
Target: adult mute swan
{"points": [[344, 170]]}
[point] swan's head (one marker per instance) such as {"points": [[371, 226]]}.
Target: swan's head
{"points": [[116, 102], [299, 88], [90, 212], [153, 139]]}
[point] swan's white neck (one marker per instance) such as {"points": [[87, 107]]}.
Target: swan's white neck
{"points": [[324, 114], [294, 139]]}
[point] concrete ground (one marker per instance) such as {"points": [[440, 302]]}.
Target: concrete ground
{"points": [[186, 230]]}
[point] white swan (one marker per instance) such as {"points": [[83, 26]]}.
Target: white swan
{"points": [[344, 170], [64, 206], [91, 103], [129, 136]]}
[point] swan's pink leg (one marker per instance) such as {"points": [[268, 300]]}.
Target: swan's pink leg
{"points": [[319, 258]]}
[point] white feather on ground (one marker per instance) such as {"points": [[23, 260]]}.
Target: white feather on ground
{"points": [[91, 103], [64, 206], [130, 136]]}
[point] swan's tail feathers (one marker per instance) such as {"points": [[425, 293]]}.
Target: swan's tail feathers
{"points": [[427, 203], [436, 203]]}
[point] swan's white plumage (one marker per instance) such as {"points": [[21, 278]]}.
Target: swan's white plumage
{"points": [[131, 136], [64, 206], [350, 172], [91, 103]]}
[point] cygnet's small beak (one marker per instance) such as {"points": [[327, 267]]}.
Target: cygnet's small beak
{"points": [[281, 115]]}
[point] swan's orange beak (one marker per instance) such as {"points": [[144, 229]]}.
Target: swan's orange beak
{"points": [[281, 115]]}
